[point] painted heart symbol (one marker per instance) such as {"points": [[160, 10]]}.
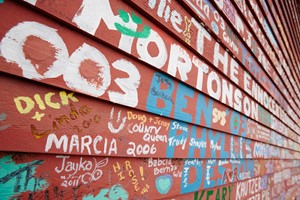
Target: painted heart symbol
{"points": [[164, 183]]}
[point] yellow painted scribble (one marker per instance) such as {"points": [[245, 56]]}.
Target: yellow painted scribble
{"points": [[38, 116], [49, 102], [25, 104], [65, 98], [127, 171], [142, 172], [187, 31], [29, 104], [39, 101]]}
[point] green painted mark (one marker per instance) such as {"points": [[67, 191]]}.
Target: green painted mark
{"points": [[127, 31], [136, 19], [264, 116], [124, 16], [1, 1], [116, 192], [235, 122], [222, 193], [18, 178]]}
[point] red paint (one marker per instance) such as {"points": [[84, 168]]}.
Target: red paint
{"points": [[193, 83], [81, 116], [72, 176], [125, 112], [291, 59], [262, 39]]}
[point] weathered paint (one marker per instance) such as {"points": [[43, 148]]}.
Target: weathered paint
{"points": [[265, 25], [131, 93], [73, 80], [88, 126], [148, 100], [221, 59], [269, 20], [89, 177], [281, 67], [174, 51]]}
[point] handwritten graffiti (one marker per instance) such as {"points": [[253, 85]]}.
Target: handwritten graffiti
{"points": [[18, 178], [179, 140], [110, 125], [148, 178], [206, 4], [160, 122], [167, 12], [143, 128], [257, 168], [81, 144], [158, 93], [200, 141], [230, 175], [163, 166], [127, 172], [229, 10], [219, 116], [244, 175], [116, 192], [183, 137], [196, 165], [269, 167], [187, 30], [85, 171], [235, 148], [75, 78], [246, 105], [74, 115], [113, 17], [128, 31], [224, 192], [226, 171], [151, 130], [249, 187], [231, 39], [25, 104], [260, 150], [282, 176], [140, 117], [140, 149], [208, 173]]}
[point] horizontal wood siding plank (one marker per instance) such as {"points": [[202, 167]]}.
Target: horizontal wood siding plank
{"points": [[149, 99]]}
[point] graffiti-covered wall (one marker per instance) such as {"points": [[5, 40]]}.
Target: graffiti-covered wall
{"points": [[150, 99]]}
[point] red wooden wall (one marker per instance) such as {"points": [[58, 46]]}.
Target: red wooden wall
{"points": [[150, 99]]}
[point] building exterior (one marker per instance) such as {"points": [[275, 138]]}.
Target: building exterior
{"points": [[150, 99]]}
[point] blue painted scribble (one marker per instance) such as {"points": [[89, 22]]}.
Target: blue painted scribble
{"points": [[116, 192], [270, 33], [3, 118], [164, 183], [18, 178]]}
